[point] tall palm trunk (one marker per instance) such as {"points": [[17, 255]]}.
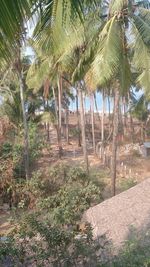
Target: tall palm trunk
{"points": [[67, 124], [92, 122], [102, 125], [124, 114], [142, 132], [114, 143], [82, 114], [26, 138], [78, 120], [59, 115], [131, 126], [103, 114], [48, 126], [99, 118], [57, 119], [121, 128], [48, 135], [109, 116]]}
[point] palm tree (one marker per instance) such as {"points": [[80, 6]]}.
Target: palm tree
{"points": [[113, 58], [108, 48]]}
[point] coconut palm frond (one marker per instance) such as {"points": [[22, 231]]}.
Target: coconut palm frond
{"points": [[11, 107], [144, 80], [139, 108], [144, 14], [117, 6], [38, 73], [107, 59], [87, 56], [141, 60], [143, 28], [90, 81], [13, 14]]}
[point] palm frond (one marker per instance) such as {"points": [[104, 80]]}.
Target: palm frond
{"points": [[107, 59], [141, 58], [144, 14], [143, 28], [12, 17], [117, 6]]}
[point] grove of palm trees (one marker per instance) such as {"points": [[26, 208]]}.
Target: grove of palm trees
{"points": [[74, 133]]}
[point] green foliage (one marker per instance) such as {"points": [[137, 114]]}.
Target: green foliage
{"points": [[65, 194], [125, 184], [35, 143], [51, 246], [6, 150], [75, 132], [13, 187], [139, 108], [52, 234], [136, 251]]}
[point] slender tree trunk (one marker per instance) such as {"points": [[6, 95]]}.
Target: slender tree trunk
{"points": [[84, 105], [99, 118], [103, 114], [67, 125], [121, 128], [26, 138], [109, 116], [82, 114], [124, 114], [102, 126], [56, 106], [142, 132], [59, 116], [57, 119], [92, 122], [131, 128], [114, 143], [48, 135], [78, 120]]}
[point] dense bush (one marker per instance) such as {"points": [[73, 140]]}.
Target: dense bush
{"points": [[12, 169], [136, 251], [53, 234]]}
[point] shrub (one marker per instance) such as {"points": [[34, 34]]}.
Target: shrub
{"points": [[53, 234], [125, 184], [6, 150], [39, 242]]}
